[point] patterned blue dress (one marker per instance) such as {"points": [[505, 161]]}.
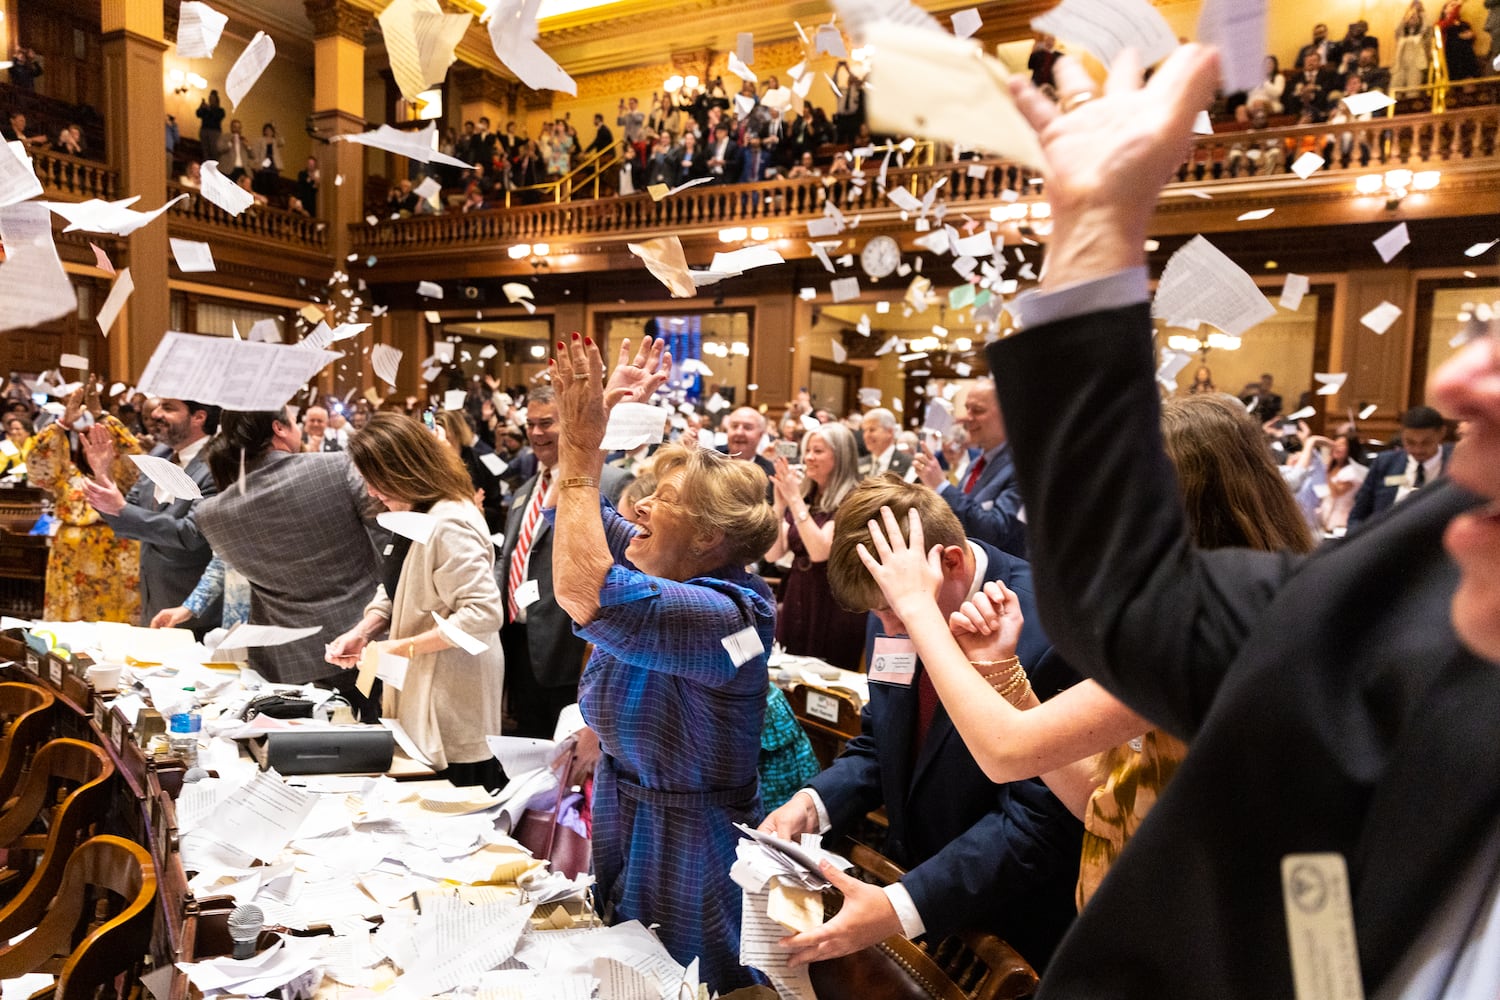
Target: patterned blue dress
{"points": [[679, 725]]}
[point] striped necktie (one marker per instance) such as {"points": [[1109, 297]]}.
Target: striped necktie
{"points": [[518, 558]]}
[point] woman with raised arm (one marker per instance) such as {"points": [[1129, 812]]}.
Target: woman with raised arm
{"points": [[676, 686]]}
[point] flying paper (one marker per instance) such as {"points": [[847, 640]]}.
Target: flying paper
{"points": [[1172, 363], [1254, 214], [1302, 414], [739, 69], [235, 374], [1480, 249], [1293, 291], [513, 33], [420, 146], [429, 189], [33, 284], [198, 29], [515, 291], [840, 354], [411, 524], [18, 179], [1237, 28], [664, 258], [459, 638], [1368, 411], [1392, 242], [1201, 284], [101, 259], [115, 301], [632, 425], [192, 256], [1105, 28], [420, 40], [430, 289], [1332, 382], [386, 361], [454, 399], [965, 22], [1307, 164], [844, 289], [1366, 103], [248, 67], [266, 331], [1381, 317], [744, 259], [222, 191], [114, 217], [171, 482], [941, 87]]}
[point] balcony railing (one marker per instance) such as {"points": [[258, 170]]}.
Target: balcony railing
{"points": [[70, 178], [258, 222], [1431, 141]]}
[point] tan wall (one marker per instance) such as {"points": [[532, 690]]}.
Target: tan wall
{"points": [[283, 95]]}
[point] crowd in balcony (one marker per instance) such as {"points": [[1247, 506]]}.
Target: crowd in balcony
{"points": [[42, 123]]}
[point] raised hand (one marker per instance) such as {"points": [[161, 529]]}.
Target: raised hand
{"points": [[636, 378], [988, 627], [904, 570], [99, 449]]}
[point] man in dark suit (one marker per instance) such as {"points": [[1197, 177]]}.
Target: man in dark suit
{"points": [[724, 158], [1397, 474], [1319, 46], [688, 161], [878, 426], [986, 497], [1374, 712], [173, 553], [1308, 92], [315, 436], [979, 855], [757, 163], [543, 658]]}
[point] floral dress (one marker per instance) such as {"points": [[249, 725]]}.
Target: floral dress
{"points": [[91, 574]]}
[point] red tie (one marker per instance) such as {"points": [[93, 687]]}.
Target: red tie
{"points": [[974, 474], [927, 703], [518, 557]]}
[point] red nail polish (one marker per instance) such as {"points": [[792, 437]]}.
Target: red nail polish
{"points": [[589, 341], [560, 345], [575, 336]]}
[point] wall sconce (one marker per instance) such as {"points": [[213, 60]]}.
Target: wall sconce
{"points": [[1215, 341], [182, 82], [518, 251], [734, 234], [1397, 184], [538, 351]]}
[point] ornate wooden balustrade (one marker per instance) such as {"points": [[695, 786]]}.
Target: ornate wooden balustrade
{"points": [[73, 179], [1463, 138], [258, 223]]}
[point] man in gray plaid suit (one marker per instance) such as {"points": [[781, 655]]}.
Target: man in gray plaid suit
{"points": [[298, 527]]}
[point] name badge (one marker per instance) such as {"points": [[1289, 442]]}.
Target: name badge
{"points": [[389, 549], [987, 505], [528, 594], [1396, 480], [1320, 927], [893, 661]]}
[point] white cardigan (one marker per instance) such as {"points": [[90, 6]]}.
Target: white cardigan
{"points": [[450, 700]]}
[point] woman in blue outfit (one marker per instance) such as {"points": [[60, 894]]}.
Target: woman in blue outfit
{"points": [[676, 687]]}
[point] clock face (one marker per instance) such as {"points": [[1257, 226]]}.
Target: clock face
{"points": [[880, 257]]}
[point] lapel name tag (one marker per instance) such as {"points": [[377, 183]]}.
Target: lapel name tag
{"points": [[1320, 927], [1399, 480], [893, 661], [528, 594]]}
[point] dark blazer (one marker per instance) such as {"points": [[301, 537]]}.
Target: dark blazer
{"points": [[900, 464], [1374, 495], [173, 553], [556, 653], [1366, 729], [979, 855], [297, 529], [992, 512], [330, 443], [765, 465], [693, 170]]}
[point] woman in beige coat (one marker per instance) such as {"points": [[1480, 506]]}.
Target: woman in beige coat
{"points": [[450, 700]]}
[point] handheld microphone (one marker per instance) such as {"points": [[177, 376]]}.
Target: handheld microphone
{"points": [[245, 923]]}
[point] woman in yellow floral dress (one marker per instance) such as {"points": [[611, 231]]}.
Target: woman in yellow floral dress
{"points": [[91, 574]]}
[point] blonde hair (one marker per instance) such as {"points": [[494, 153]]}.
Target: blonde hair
{"points": [[722, 495], [456, 427], [851, 583]]}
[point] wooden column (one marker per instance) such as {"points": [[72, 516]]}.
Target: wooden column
{"points": [[136, 109], [339, 30]]}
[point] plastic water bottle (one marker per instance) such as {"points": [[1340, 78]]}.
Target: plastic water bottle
{"points": [[182, 737]]}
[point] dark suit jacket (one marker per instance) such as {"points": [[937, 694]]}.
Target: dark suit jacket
{"points": [[173, 552], [1374, 495], [697, 168], [734, 160], [900, 464], [297, 530], [992, 512], [556, 653], [979, 855], [1365, 729]]}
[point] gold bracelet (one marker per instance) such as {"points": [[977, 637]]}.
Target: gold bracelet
{"points": [[573, 482], [1014, 661], [411, 649]]}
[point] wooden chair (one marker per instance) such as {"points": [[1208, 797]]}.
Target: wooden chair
{"points": [[970, 965], [100, 925], [829, 717], [74, 776], [26, 718]]}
